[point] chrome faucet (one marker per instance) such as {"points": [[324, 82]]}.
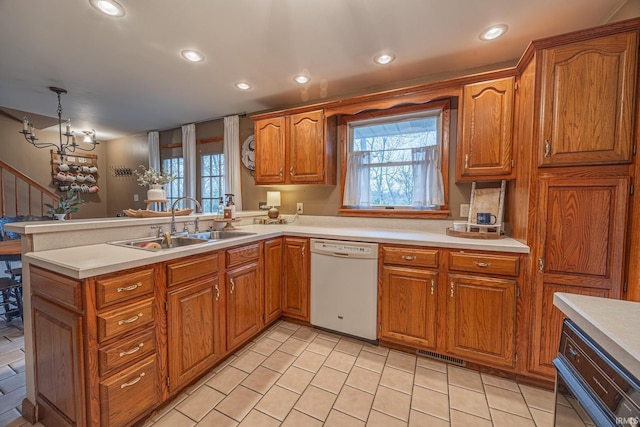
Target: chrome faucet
{"points": [[173, 211]]}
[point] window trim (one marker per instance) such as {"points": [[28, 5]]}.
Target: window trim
{"points": [[383, 212]]}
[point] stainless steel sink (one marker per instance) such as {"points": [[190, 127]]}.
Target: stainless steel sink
{"points": [[220, 234], [160, 243]]}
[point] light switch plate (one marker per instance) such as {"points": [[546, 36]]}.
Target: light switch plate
{"points": [[464, 210], [136, 198]]}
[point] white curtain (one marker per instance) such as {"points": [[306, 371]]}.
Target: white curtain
{"points": [[357, 187], [232, 182], [189, 158], [428, 187], [153, 139]]}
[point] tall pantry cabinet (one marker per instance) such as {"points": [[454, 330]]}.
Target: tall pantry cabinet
{"points": [[577, 100]]}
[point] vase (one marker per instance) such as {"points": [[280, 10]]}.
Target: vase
{"points": [[156, 192], [60, 217]]}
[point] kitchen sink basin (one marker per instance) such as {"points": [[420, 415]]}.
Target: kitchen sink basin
{"points": [[220, 234], [160, 243]]}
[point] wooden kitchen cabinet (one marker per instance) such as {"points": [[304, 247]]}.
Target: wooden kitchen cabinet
{"points": [[273, 269], [587, 101], [295, 294], [295, 148], [486, 146]]}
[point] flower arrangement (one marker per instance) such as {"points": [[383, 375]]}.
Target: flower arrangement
{"points": [[67, 204], [150, 176]]}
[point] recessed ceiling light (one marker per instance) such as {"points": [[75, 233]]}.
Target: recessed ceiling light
{"points": [[302, 79], [493, 32], [384, 58], [108, 7], [192, 55], [243, 85]]}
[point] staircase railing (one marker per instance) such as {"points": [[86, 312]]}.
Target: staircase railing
{"points": [[21, 195]]}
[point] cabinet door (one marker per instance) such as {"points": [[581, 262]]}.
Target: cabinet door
{"points": [[407, 306], [296, 278], [273, 279], [244, 304], [195, 340], [587, 101], [486, 146], [306, 148], [481, 316], [270, 150]]}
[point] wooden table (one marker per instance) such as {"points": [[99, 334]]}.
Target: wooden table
{"points": [[10, 250]]}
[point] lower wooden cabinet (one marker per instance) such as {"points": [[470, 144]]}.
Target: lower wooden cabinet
{"points": [[244, 304], [273, 250], [296, 278]]}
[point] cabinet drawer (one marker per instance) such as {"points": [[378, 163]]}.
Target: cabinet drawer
{"points": [[242, 255], [192, 268], [130, 393], [121, 288], [125, 351], [410, 256], [115, 322], [484, 263]]}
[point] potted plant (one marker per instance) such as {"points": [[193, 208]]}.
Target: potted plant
{"points": [[154, 180], [67, 204]]}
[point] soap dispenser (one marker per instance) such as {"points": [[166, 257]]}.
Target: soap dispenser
{"points": [[231, 205]]}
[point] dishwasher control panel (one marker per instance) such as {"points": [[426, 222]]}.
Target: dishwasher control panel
{"points": [[351, 249]]}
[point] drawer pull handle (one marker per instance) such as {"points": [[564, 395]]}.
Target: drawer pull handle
{"points": [[408, 257], [130, 288], [233, 285], [482, 264], [133, 350], [217, 293], [132, 382], [130, 320]]}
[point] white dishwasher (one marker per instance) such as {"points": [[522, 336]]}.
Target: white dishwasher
{"points": [[344, 287]]}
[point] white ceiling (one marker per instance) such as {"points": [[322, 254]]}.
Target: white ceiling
{"points": [[126, 76]]}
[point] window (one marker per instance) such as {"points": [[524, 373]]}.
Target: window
{"points": [[175, 189], [394, 161], [212, 181]]}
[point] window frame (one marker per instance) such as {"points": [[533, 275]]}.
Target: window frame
{"points": [[385, 212]]}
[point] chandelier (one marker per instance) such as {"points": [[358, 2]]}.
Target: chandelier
{"points": [[70, 145]]}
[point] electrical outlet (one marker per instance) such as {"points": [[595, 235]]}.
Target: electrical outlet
{"points": [[136, 198], [299, 208], [464, 210]]}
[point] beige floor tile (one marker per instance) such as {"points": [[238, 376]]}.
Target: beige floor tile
{"points": [[419, 419], [506, 401], [463, 419], [392, 402], [316, 402], [329, 336], [224, 364], [299, 419], [363, 379], [349, 346], [435, 365], [430, 402], [309, 361], [239, 403], [402, 361], [538, 398], [372, 361], [289, 325], [293, 346], [321, 346], [164, 410], [278, 402], [202, 381], [216, 419], [200, 402], [279, 361], [542, 418], [504, 419], [500, 382], [397, 379], [280, 334], [227, 380], [266, 346], [354, 402], [379, 350], [295, 379], [175, 418], [258, 419], [249, 361], [340, 361], [378, 419], [434, 380], [338, 419], [329, 379], [261, 379], [469, 401], [466, 378], [305, 333]]}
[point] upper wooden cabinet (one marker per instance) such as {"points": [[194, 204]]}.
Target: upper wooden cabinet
{"points": [[296, 149], [587, 101], [486, 146]]}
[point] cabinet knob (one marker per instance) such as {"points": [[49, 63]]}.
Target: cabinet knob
{"points": [[547, 148]]}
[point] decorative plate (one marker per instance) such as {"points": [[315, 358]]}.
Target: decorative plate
{"points": [[249, 153]]}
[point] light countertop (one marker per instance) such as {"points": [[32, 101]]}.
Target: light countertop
{"points": [[609, 322]]}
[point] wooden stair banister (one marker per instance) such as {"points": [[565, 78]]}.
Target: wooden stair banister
{"points": [[18, 178]]}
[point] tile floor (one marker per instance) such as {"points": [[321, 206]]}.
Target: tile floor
{"points": [[295, 376]]}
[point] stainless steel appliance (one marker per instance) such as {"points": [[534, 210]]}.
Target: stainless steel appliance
{"points": [[592, 388], [344, 287]]}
